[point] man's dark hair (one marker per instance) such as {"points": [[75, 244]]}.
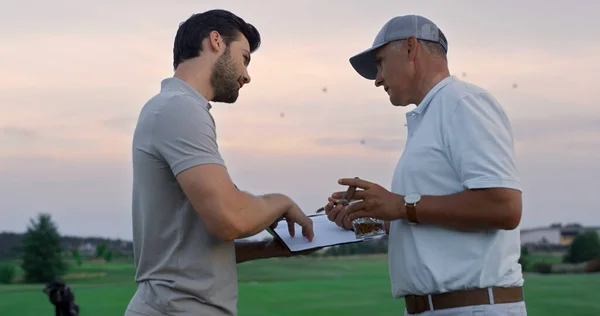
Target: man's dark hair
{"points": [[191, 33]]}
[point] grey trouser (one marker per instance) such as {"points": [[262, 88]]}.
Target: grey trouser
{"points": [[137, 307]]}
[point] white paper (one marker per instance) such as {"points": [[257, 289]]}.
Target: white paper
{"points": [[327, 233]]}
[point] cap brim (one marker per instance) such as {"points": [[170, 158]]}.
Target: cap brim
{"points": [[364, 63]]}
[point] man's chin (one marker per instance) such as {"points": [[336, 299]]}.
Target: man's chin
{"points": [[229, 100], [399, 103], [395, 102], [232, 100]]}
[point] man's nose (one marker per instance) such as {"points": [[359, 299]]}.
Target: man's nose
{"points": [[378, 79]]}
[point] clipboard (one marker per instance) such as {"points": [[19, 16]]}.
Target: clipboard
{"points": [[327, 234]]}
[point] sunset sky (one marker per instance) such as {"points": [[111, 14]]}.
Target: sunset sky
{"points": [[75, 75]]}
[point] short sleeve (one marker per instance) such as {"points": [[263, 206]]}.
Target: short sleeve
{"points": [[480, 144], [184, 134]]}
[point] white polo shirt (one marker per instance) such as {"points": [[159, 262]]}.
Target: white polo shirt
{"points": [[458, 138]]}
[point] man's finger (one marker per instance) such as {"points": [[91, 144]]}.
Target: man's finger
{"points": [[339, 217], [307, 230], [328, 206], [346, 222], [338, 195], [358, 195], [358, 214], [332, 214], [291, 228], [359, 183], [356, 207]]}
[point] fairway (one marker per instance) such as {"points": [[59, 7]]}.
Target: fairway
{"points": [[307, 286]]}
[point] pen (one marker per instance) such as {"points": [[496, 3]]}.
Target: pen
{"points": [[346, 200]]}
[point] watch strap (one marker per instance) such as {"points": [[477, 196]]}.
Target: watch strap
{"points": [[411, 212]]}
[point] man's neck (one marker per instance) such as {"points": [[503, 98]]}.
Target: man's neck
{"points": [[199, 80], [427, 83]]}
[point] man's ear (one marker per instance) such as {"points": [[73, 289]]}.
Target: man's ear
{"points": [[411, 44], [216, 42]]}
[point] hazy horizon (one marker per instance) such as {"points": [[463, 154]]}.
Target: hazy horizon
{"points": [[75, 76]]}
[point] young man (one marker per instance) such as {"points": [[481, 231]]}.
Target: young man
{"points": [[456, 198], [187, 213]]}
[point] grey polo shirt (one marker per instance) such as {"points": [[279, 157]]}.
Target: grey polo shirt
{"points": [[180, 268]]}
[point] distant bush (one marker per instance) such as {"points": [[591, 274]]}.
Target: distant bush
{"points": [[7, 273], [101, 250], [108, 256], [541, 267], [585, 247], [77, 257], [524, 258]]}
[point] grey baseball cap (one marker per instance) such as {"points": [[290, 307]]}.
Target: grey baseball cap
{"points": [[398, 28]]}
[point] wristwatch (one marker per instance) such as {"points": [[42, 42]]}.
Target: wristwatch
{"points": [[410, 203]]}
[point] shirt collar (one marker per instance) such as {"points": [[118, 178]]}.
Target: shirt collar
{"points": [[176, 84], [427, 99]]}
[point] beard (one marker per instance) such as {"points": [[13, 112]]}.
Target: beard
{"points": [[224, 80]]}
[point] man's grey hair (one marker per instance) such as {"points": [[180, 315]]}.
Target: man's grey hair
{"points": [[434, 49]]}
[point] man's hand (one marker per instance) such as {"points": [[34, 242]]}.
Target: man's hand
{"points": [[338, 214], [373, 201], [274, 225], [294, 215]]}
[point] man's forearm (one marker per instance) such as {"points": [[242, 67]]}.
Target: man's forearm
{"points": [[251, 250], [261, 212], [495, 208]]}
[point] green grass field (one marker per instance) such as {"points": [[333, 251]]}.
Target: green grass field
{"points": [[307, 286]]}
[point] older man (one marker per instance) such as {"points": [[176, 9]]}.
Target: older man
{"points": [[455, 199], [187, 213]]}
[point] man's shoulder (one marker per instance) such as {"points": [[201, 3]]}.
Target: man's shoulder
{"points": [[458, 90], [174, 100], [169, 103], [166, 111], [460, 94]]}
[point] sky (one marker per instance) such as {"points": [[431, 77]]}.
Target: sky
{"points": [[75, 75]]}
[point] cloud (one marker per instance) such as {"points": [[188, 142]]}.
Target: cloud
{"points": [[389, 144], [86, 196], [577, 133], [566, 137], [309, 19], [560, 186], [529, 130], [123, 124], [18, 131], [68, 117], [91, 196]]}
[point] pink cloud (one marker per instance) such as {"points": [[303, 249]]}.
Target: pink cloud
{"points": [[90, 81]]}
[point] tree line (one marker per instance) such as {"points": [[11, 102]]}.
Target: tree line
{"points": [[43, 257]]}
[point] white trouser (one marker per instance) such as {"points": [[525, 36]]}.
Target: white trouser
{"points": [[507, 309]]}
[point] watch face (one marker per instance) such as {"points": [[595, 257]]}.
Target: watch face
{"points": [[412, 198]]}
